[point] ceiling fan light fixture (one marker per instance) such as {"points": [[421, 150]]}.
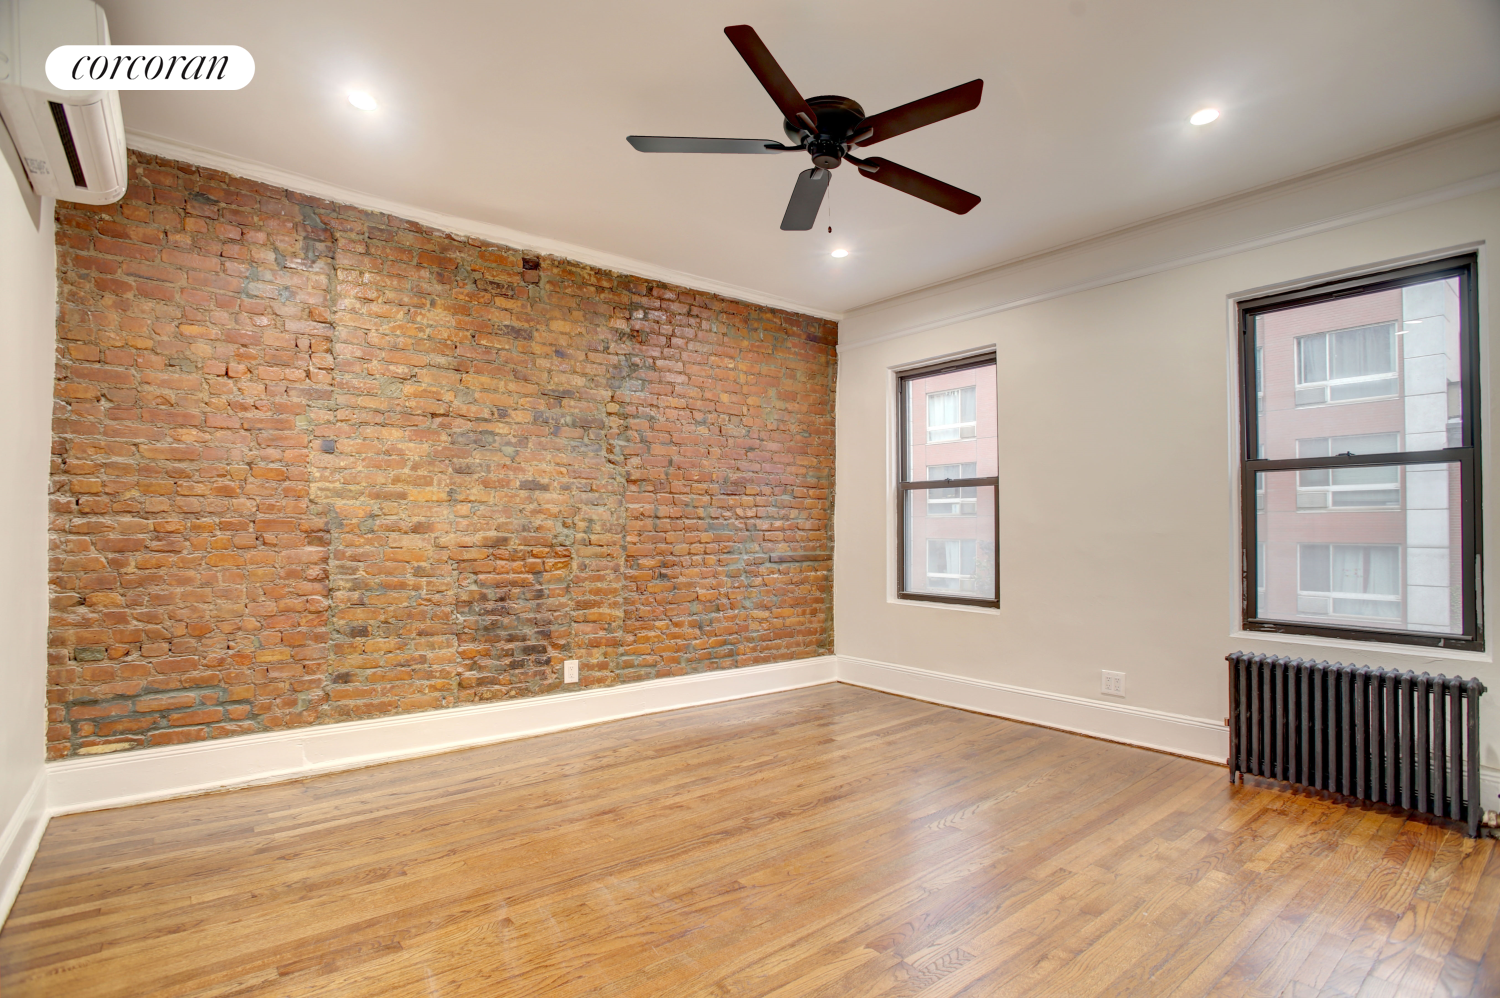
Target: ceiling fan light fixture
{"points": [[362, 100], [1204, 116], [839, 254]]}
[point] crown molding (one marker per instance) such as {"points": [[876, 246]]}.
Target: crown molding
{"points": [[158, 145], [1178, 223], [1464, 146]]}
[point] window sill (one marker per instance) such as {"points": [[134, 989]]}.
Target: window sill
{"points": [[1378, 647], [991, 610]]}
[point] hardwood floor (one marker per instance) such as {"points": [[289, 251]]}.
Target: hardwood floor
{"points": [[826, 842]]}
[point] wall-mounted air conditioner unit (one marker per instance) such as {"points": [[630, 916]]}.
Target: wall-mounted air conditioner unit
{"points": [[72, 142]]}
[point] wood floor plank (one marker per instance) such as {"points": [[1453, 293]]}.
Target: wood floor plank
{"points": [[831, 841]]}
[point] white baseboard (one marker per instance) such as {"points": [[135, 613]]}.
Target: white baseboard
{"points": [[96, 782], [1198, 737], [19, 839]]}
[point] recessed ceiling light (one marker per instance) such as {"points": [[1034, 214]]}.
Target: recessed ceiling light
{"points": [[1204, 116], [840, 253], [362, 100]]}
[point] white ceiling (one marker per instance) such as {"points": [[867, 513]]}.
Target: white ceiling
{"points": [[515, 114]]}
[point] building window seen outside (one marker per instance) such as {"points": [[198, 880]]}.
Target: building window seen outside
{"points": [[1346, 364], [950, 414], [1350, 580], [951, 564]]}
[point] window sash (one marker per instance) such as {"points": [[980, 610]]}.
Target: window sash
{"points": [[921, 567]]}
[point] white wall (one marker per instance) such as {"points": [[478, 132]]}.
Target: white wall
{"points": [[28, 295], [1118, 537]]}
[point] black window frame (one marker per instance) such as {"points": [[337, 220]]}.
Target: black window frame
{"points": [[905, 484], [1466, 268]]}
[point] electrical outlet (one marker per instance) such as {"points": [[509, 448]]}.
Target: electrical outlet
{"points": [[1114, 683], [570, 671]]}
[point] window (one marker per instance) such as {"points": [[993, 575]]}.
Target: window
{"points": [[1346, 365], [950, 415], [1360, 458], [1351, 580], [947, 531], [951, 565]]}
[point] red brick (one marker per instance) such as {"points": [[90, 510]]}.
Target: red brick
{"points": [[195, 717], [596, 466]]}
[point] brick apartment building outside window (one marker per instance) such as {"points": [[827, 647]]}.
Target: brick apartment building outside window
{"points": [[947, 536], [1360, 478]]}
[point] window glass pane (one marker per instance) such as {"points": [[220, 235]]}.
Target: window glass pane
{"points": [[1366, 556], [1360, 370], [1388, 475], [1313, 478], [950, 542], [1362, 389], [1313, 351], [1356, 353], [951, 424], [1364, 498], [1312, 567]]}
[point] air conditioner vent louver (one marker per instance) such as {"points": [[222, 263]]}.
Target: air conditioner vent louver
{"points": [[70, 149], [72, 142]]}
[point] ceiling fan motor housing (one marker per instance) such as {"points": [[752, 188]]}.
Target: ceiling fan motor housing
{"points": [[827, 152], [837, 120]]}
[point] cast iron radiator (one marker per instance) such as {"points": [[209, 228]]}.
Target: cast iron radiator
{"points": [[1375, 734]]}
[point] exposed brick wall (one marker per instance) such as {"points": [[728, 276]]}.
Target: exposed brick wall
{"points": [[314, 463]]}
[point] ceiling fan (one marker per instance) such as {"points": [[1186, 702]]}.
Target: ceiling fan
{"points": [[827, 128]]}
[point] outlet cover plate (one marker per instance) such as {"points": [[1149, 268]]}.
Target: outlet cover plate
{"points": [[570, 671], [1112, 684]]}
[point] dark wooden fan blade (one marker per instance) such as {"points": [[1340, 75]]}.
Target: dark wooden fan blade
{"points": [[918, 185], [935, 107], [676, 143], [807, 198], [769, 73]]}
